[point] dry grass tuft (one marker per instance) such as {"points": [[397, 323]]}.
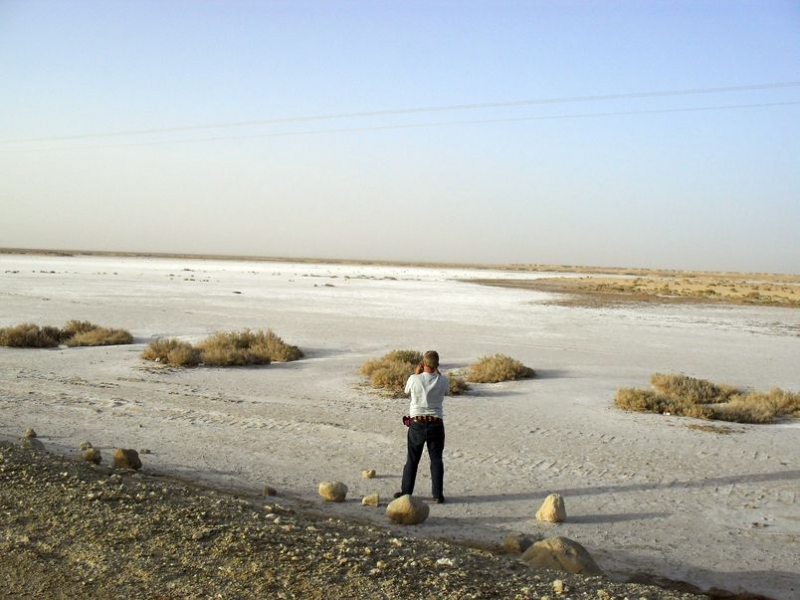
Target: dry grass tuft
{"points": [[496, 368], [276, 348], [172, 351], [689, 389], [391, 371], [224, 349], [458, 385], [233, 349], [29, 335], [74, 327], [100, 336], [74, 333], [688, 397], [759, 407]]}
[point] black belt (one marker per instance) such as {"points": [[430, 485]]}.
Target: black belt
{"points": [[427, 419]]}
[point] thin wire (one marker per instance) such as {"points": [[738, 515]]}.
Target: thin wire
{"points": [[412, 126], [401, 111]]}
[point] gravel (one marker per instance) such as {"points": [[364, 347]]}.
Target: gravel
{"points": [[74, 529]]}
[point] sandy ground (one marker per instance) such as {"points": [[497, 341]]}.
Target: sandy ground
{"points": [[644, 493]]}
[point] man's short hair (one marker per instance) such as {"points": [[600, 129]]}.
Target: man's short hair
{"points": [[431, 359]]}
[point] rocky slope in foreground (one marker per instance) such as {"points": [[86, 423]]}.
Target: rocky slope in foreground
{"points": [[71, 529]]}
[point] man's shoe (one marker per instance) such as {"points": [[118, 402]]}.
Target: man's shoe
{"points": [[439, 500], [398, 494]]}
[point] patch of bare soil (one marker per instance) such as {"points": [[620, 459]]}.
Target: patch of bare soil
{"points": [[695, 288]]}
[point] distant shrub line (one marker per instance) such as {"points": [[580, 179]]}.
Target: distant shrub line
{"points": [[391, 371], [224, 349], [74, 333], [685, 396]]}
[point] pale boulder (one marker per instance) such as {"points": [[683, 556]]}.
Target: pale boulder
{"points": [[368, 473], [552, 510], [332, 491], [407, 510], [561, 554], [125, 458], [371, 500]]}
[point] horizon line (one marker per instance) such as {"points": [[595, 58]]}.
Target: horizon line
{"points": [[509, 266]]}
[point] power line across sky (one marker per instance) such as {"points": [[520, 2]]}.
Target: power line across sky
{"points": [[430, 110]]}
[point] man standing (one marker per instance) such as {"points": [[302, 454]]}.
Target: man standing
{"points": [[427, 387]]}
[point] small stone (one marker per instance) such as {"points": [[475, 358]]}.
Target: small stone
{"points": [[445, 562], [368, 473], [371, 500], [145, 451], [270, 491], [92, 455], [558, 586], [517, 543], [553, 510], [332, 491], [32, 443], [407, 510], [126, 459]]}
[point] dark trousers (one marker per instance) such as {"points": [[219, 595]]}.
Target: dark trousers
{"points": [[420, 435]]}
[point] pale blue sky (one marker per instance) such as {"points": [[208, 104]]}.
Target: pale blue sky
{"points": [[682, 180]]}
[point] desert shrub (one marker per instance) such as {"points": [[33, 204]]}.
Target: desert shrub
{"points": [[408, 358], [689, 389], [100, 336], [172, 351], [638, 400], [458, 385], [370, 366], [52, 332], [247, 348], [412, 357], [267, 342], [496, 368], [759, 407], [74, 333], [688, 397], [391, 371], [75, 327], [224, 349], [392, 377], [29, 335], [233, 349], [183, 355]]}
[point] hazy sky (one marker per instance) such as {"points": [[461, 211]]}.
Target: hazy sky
{"points": [[611, 133]]}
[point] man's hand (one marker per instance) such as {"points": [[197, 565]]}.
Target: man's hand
{"points": [[420, 368]]}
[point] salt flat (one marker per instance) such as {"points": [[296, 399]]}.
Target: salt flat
{"points": [[643, 492]]}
